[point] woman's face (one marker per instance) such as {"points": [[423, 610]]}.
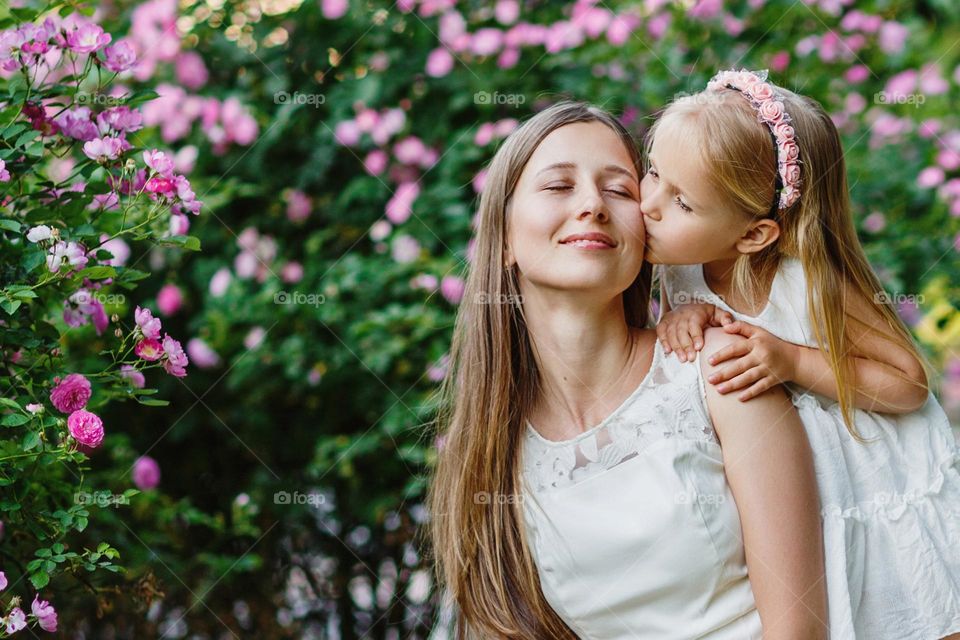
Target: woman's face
{"points": [[580, 180]]}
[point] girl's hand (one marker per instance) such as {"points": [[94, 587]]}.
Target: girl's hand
{"points": [[681, 329], [762, 361]]}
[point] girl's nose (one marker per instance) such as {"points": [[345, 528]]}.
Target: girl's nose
{"points": [[648, 208]]}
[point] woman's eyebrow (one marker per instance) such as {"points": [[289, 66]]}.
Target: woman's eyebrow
{"points": [[612, 168]]}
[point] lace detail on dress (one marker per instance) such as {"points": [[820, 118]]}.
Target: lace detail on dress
{"points": [[669, 403]]}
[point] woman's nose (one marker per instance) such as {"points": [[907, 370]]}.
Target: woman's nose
{"points": [[593, 203]]}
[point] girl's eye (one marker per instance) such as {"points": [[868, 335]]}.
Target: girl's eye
{"points": [[682, 205], [653, 172]]}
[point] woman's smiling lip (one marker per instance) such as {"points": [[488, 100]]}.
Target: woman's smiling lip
{"points": [[590, 240]]}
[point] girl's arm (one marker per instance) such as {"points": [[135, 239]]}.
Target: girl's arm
{"points": [[888, 376], [769, 467]]}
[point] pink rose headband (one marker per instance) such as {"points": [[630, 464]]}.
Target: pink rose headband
{"points": [[770, 111]]}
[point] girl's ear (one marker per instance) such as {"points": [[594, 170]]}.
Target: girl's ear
{"points": [[759, 235]]}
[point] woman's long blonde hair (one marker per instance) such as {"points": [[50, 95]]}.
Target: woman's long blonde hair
{"points": [[739, 158], [475, 499]]}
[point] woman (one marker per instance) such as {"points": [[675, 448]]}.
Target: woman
{"points": [[581, 490]]}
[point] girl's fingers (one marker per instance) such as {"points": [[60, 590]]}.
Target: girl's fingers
{"points": [[741, 381], [662, 336], [759, 387], [696, 335], [741, 365], [730, 351], [674, 338]]}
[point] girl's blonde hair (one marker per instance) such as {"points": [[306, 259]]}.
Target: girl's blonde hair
{"points": [[739, 157], [475, 497]]}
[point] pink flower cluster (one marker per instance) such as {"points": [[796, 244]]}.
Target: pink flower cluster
{"points": [[151, 348], [224, 123], [16, 620], [71, 395], [770, 110]]}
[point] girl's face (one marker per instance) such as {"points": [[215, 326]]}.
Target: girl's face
{"points": [[580, 180], [684, 223]]}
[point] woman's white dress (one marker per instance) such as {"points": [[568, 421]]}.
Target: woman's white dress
{"points": [[890, 508], [632, 524]]}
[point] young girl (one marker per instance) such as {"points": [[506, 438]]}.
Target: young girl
{"points": [[746, 207]]}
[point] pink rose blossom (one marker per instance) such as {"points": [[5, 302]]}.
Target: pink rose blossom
{"points": [[149, 326], [219, 282], [792, 173], [857, 74], [405, 249], [347, 133], [119, 57], [102, 149], [376, 162], [86, 428], [149, 349], [146, 473], [159, 162], [254, 338], [16, 620], [176, 361], [299, 205], [87, 38], [334, 9], [772, 111], [136, 378], [931, 177], [452, 287], [439, 63], [3, 580], [874, 222], [169, 301], [45, 613], [71, 394], [202, 354], [292, 272]]}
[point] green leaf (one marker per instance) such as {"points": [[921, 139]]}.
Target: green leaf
{"points": [[31, 440], [7, 402], [10, 306], [190, 243], [97, 273], [40, 579], [9, 225], [14, 420], [81, 523], [152, 402]]}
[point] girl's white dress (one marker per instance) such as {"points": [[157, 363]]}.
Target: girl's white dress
{"points": [[890, 508], [633, 528]]}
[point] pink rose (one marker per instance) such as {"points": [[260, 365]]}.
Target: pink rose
{"points": [[71, 394], [149, 349], [176, 361], [146, 473], [760, 91], [789, 151], [784, 132], [45, 613], [86, 428], [169, 300], [772, 111], [149, 326], [791, 174]]}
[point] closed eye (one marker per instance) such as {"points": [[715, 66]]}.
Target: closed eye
{"points": [[682, 205]]}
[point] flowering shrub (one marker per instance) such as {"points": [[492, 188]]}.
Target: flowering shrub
{"points": [[77, 192]]}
